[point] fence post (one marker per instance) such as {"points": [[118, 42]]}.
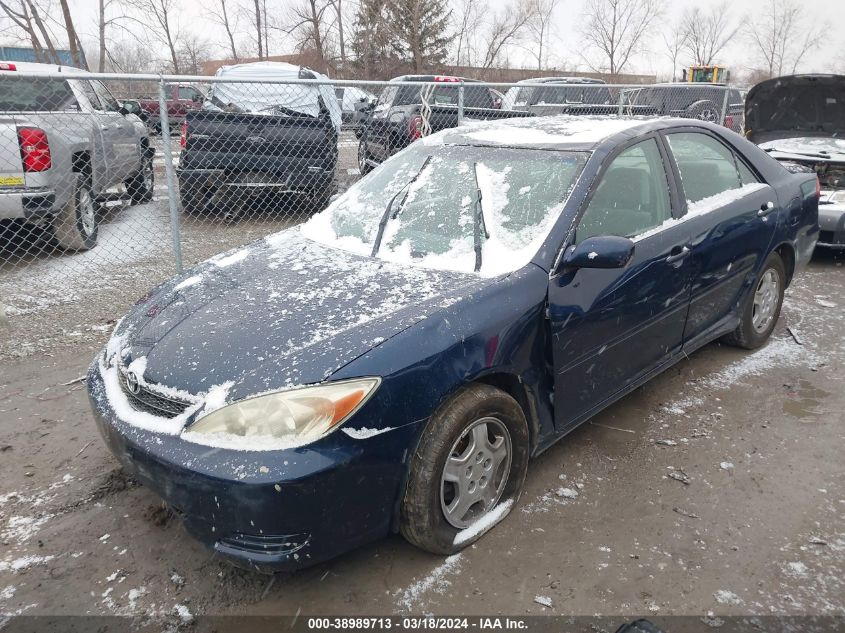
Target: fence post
{"points": [[175, 227], [461, 102], [621, 110], [725, 104]]}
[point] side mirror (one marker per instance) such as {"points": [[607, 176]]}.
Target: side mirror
{"points": [[602, 251]]}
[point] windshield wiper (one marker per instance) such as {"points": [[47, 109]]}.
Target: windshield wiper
{"points": [[386, 215], [478, 223], [808, 154]]}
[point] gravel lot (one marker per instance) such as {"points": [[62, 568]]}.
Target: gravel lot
{"points": [[756, 529], [716, 487]]}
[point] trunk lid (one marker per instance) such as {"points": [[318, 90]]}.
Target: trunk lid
{"points": [[11, 169]]}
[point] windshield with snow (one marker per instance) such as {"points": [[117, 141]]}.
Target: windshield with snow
{"points": [[434, 216]]}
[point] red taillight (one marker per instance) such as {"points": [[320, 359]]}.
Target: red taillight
{"points": [[415, 127], [183, 137], [729, 121], [7, 66], [35, 149], [445, 79]]}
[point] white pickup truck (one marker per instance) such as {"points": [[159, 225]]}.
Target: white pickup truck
{"points": [[63, 142]]}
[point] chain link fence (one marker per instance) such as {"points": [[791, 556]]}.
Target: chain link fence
{"points": [[110, 184]]}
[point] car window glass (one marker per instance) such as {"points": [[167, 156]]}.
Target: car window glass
{"points": [[706, 166], [746, 176], [387, 95], [88, 90], [108, 102], [632, 197]]}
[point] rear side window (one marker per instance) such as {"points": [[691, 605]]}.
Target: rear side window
{"points": [[632, 197], [707, 167], [446, 94], [35, 94]]}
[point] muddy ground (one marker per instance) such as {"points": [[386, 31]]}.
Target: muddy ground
{"points": [[716, 487]]}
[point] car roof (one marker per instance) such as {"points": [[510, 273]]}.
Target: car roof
{"points": [[435, 78], [561, 80], [564, 132], [33, 67]]}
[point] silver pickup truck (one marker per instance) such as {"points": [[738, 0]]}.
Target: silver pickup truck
{"points": [[63, 143]]}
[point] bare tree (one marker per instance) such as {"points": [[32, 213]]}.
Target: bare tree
{"points": [[193, 52], [74, 44], [308, 22], [219, 14], [616, 30], [503, 29], [161, 22], [540, 15], [673, 42], [338, 7], [707, 33], [468, 21], [781, 37], [28, 20]]}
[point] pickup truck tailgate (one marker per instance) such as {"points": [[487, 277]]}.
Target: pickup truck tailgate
{"points": [[11, 167], [258, 142]]}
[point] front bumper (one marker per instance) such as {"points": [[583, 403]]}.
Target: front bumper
{"points": [[832, 225], [267, 511]]}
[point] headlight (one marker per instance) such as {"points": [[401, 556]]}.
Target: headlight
{"points": [[286, 418]]}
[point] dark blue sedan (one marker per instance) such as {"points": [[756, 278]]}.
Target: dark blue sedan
{"points": [[394, 363]]}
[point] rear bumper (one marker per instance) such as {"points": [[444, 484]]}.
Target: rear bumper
{"points": [[26, 203], [300, 181], [832, 225], [266, 510]]}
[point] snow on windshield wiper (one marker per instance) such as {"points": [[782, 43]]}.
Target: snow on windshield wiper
{"points": [[478, 223], [789, 151], [386, 215]]}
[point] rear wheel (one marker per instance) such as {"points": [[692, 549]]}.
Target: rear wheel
{"points": [[762, 310], [75, 225], [471, 460], [194, 200], [704, 111], [141, 185], [363, 157]]}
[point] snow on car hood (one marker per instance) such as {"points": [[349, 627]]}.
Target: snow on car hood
{"points": [[281, 312]]}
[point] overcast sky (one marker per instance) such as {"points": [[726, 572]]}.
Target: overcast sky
{"points": [[828, 57]]}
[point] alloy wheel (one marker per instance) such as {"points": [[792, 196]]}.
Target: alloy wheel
{"points": [[765, 301]]}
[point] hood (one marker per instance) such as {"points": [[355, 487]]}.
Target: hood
{"points": [[281, 312], [815, 149], [796, 106]]}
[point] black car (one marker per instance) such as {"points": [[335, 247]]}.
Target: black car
{"points": [[419, 105], [691, 101], [393, 364]]}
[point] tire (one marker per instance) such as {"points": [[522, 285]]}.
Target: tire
{"points": [[320, 199], [141, 186], [446, 439], [363, 155], [762, 309], [704, 110], [193, 201], [75, 225]]}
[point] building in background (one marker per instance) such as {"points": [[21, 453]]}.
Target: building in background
{"points": [[24, 54]]}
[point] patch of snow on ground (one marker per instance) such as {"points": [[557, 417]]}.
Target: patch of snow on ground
{"points": [[484, 523], [727, 597], [543, 600], [8, 593], [21, 529], [796, 569], [363, 433], [436, 581], [184, 614], [25, 562]]}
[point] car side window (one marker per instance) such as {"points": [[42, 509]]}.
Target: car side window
{"points": [[109, 103], [707, 167], [632, 197], [186, 92], [90, 94]]}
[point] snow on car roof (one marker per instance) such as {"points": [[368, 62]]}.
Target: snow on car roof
{"points": [[560, 131], [33, 67]]}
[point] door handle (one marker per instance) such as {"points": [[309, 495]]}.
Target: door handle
{"points": [[677, 256], [765, 209]]}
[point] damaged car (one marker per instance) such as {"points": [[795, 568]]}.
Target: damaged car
{"points": [[800, 120], [394, 363]]}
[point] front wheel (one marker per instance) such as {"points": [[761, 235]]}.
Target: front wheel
{"points": [[762, 309], [141, 185], [467, 472], [364, 157], [75, 225]]}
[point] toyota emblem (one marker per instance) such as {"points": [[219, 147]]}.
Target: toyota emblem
{"points": [[132, 383]]}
